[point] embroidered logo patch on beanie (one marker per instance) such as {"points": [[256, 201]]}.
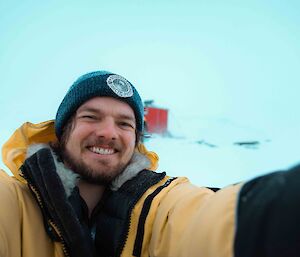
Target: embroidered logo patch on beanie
{"points": [[119, 85]]}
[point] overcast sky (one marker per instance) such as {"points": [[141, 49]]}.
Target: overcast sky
{"points": [[232, 60]]}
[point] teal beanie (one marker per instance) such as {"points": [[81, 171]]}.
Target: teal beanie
{"points": [[99, 83]]}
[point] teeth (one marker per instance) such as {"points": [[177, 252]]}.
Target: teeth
{"points": [[103, 151]]}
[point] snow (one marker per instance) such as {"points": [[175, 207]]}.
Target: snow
{"points": [[206, 151]]}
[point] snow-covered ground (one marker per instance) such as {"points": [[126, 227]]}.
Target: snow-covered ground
{"points": [[217, 152]]}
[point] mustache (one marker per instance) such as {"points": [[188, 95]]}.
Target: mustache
{"points": [[102, 141]]}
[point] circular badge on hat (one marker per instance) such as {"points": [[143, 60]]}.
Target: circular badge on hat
{"points": [[119, 85]]}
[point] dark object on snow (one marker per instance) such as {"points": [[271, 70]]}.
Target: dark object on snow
{"points": [[248, 144], [203, 142]]}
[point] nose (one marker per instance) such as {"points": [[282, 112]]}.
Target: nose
{"points": [[107, 129]]}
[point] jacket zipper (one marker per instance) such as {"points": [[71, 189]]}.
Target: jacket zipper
{"points": [[138, 244], [49, 221], [58, 232], [122, 243]]}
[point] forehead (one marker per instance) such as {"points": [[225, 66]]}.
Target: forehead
{"points": [[107, 104]]}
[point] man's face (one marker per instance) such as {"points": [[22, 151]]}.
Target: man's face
{"points": [[102, 140]]}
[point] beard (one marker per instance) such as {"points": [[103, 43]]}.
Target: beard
{"points": [[98, 176]]}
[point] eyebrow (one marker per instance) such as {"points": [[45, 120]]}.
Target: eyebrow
{"points": [[88, 109]]}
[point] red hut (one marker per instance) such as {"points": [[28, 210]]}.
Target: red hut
{"points": [[156, 119]]}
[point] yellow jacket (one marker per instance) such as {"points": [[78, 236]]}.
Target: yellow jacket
{"points": [[183, 220]]}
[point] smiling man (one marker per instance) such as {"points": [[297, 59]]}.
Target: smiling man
{"points": [[84, 185], [101, 139]]}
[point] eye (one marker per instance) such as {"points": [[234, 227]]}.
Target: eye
{"points": [[125, 124], [87, 117]]}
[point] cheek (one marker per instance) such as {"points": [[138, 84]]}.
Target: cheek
{"points": [[76, 137], [130, 141], [81, 131]]}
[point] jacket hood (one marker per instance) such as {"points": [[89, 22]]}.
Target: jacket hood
{"points": [[14, 151]]}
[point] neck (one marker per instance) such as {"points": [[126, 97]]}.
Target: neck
{"points": [[91, 194]]}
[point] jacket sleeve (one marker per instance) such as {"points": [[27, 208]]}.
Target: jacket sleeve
{"points": [[9, 218], [195, 221], [268, 216]]}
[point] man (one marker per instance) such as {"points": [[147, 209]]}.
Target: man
{"points": [[84, 185]]}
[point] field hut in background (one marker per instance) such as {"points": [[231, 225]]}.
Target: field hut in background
{"points": [[155, 119]]}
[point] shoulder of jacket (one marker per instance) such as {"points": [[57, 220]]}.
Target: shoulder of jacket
{"points": [[10, 205], [12, 191], [7, 182]]}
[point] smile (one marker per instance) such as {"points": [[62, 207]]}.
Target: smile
{"points": [[103, 151]]}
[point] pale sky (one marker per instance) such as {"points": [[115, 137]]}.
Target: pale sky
{"points": [[233, 60]]}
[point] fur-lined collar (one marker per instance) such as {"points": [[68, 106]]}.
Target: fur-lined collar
{"points": [[70, 179]]}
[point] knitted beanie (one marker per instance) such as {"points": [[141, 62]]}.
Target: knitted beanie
{"points": [[99, 83]]}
